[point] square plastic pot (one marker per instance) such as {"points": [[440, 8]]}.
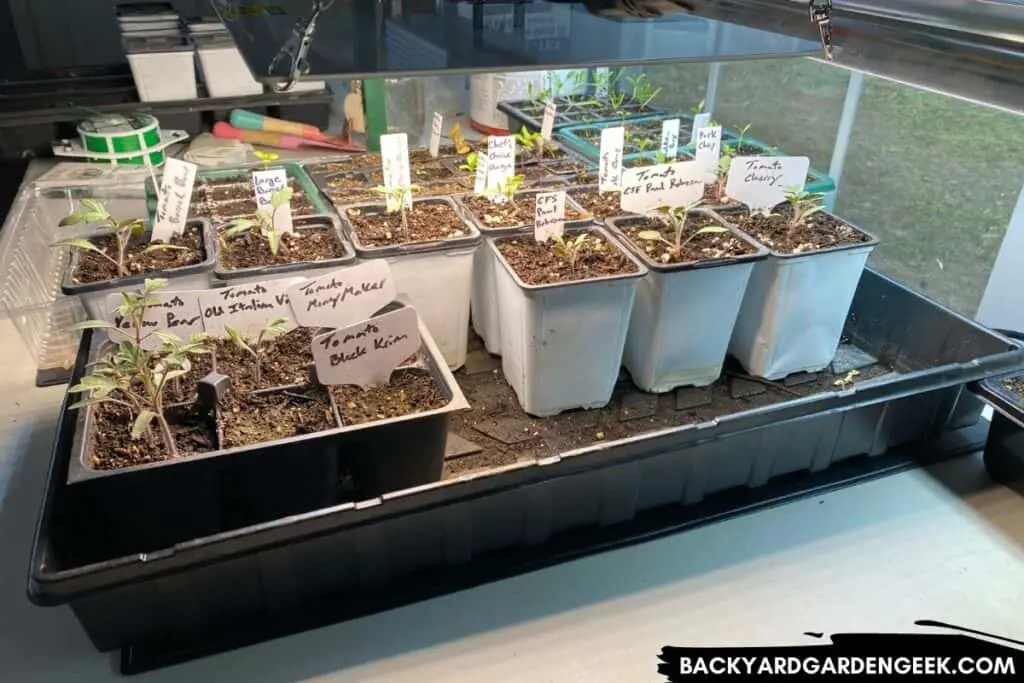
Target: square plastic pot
{"points": [[483, 297], [562, 343], [94, 295], [153, 505], [224, 277], [223, 69], [435, 277], [684, 314], [795, 308]]}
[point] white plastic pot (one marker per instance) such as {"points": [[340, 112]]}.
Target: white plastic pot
{"points": [[683, 316], [224, 70], [562, 343], [795, 309], [435, 278], [483, 299], [487, 90], [163, 67]]}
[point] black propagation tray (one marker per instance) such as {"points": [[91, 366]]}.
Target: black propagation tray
{"points": [[1004, 448], [203, 595]]}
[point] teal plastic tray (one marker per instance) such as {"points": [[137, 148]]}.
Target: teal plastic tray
{"points": [[817, 182]]}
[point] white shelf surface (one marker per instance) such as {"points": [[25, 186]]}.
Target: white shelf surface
{"points": [[944, 544]]}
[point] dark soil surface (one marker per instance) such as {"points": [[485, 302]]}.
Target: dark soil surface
{"points": [[247, 419], [820, 231], [600, 206], [112, 447], [183, 389], [348, 162], [351, 196], [427, 222], [345, 181], [1015, 385], [285, 361], [537, 174], [573, 171], [520, 211], [91, 267], [551, 151], [696, 247], [714, 196], [250, 249], [430, 172], [451, 188], [410, 391], [538, 264], [507, 435]]}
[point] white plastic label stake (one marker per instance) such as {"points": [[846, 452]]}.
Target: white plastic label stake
{"points": [[344, 296], [436, 127], [501, 160], [549, 215], [699, 121], [678, 184], [609, 174], [480, 181], [174, 198], [709, 150], [173, 312], [246, 308], [547, 125], [394, 153], [365, 354], [670, 139], [763, 182], [265, 184]]}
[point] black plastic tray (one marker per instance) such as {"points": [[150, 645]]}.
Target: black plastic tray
{"points": [[183, 595], [1004, 449]]}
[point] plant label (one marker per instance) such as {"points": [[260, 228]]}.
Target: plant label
{"points": [[609, 172], [547, 124], [246, 308], [670, 139], [549, 215], [699, 121], [366, 353], [265, 184], [480, 181], [709, 150], [436, 126], [763, 182], [501, 162], [394, 154], [646, 189], [173, 312], [343, 297], [174, 196]]}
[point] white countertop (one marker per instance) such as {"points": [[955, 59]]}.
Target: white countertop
{"points": [[943, 544]]}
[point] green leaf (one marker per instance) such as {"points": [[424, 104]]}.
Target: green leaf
{"points": [[711, 229], [167, 338], [240, 225], [93, 383], [93, 325], [142, 422], [153, 285], [73, 219], [79, 243], [95, 207], [652, 235], [277, 325], [281, 197]]}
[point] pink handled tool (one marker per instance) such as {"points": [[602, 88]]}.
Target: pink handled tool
{"points": [[225, 130]]}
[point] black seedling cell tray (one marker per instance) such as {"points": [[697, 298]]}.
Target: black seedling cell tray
{"points": [[184, 599]]}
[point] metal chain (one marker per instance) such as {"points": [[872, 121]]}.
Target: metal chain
{"points": [[297, 47], [821, 14]]}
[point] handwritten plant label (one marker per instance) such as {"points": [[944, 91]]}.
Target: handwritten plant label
{"points": [[174, 312], [480, 181], [344, 296], [709, 150], [699, 121], [436, 126], [763, 182], [678, 184], [265, 184], [547, 124], [394, 152], [501, 160], [609, 172], [174, 196], [366, 353], [670, 139], [549, 215], [246, 308]]}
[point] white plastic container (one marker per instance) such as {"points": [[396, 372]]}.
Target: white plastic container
{"points": [[163, 67], [223, 68], [684, 315], [434, 277], [483, 297], [486, 90], [562, 343], [795, 308]]}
